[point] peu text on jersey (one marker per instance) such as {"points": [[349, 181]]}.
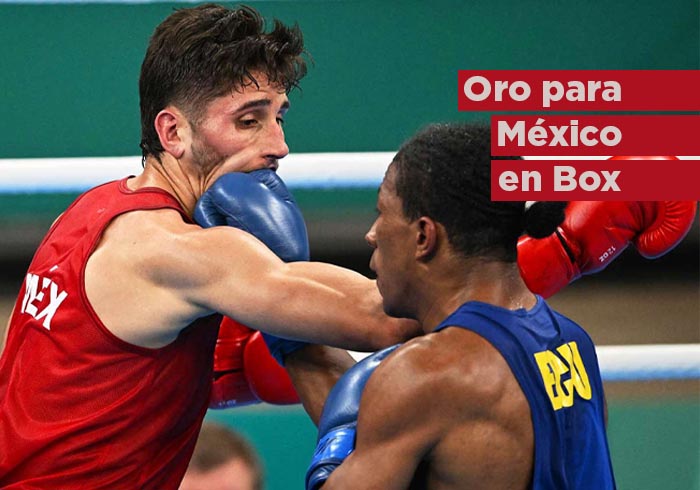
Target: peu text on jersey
{"points": [[563, 374]]}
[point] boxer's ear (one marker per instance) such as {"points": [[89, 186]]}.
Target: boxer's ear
{"points": [[427, 237], [174, 131]]}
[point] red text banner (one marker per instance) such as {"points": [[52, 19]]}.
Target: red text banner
{"points": [[595, 180], [578, 90], [579, 135]]}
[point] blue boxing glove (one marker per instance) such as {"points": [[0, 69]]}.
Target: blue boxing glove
{"points": [[259, 203], [336, 429]]}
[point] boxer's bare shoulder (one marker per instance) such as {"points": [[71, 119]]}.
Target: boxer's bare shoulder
{"points": [[127, 267], [454, 404]]}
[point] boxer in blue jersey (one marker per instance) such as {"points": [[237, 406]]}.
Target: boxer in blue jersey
{"points": [[501, 392]]}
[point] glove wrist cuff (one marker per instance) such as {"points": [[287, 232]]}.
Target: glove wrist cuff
{"points": [[280, 348], [336, 445], [331, 451]]}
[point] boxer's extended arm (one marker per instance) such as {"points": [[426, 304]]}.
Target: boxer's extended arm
{"points": [[165, 273], [260, 203], [229, 271], [314, 371]]}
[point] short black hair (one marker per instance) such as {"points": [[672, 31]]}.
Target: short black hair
{"points": [[444, 172]]}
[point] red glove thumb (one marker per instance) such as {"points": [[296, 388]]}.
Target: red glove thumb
{"points": [[669, 221]]}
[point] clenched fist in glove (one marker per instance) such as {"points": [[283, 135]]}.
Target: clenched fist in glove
{"points": [[594, 233]]}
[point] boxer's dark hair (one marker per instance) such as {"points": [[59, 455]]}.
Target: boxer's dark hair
{"points": [[444, 172], [200, 53]]}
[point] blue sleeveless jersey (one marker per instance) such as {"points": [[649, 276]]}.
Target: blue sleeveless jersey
{"points": [[555, 363]]}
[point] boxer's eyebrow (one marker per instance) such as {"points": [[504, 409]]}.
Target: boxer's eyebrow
{"points": [[255, 104]]}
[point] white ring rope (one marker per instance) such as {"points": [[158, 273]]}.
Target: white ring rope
{"points": [[331, 170], [300, 170], [640, 362], [649, 362]]}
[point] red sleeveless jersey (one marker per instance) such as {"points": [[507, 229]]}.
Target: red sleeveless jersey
{"points": [[81, 408]]}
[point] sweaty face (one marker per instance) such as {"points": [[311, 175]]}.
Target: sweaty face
{"points": [[241, 131], [392, 237]]}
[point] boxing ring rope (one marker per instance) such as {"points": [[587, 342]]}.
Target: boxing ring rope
{"points": [[328, 171], [649, 362], [300, 170], [652, 362]]}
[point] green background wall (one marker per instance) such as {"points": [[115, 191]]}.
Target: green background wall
{"points": [[68, 87], [382, 69]]}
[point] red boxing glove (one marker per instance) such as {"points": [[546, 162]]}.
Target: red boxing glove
{"points": [[244, 371], [670, 226], [594, 233], [267, 379]]}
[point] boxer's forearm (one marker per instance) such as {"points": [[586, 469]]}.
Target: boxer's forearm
{"points": [[314, 370]]}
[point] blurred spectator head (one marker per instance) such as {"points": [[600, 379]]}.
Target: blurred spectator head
{"points": [[223, 460]]}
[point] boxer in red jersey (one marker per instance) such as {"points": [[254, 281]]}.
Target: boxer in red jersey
{"points": [[107, 369]]}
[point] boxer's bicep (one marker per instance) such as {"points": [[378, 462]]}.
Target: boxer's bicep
{"points": [[216, 270]]}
